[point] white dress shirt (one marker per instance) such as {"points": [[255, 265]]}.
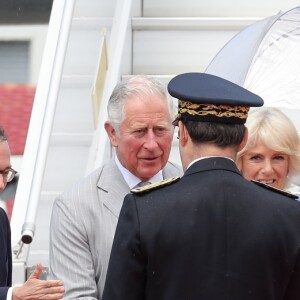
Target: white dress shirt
{"points": [[132, 180], [9, 294]]}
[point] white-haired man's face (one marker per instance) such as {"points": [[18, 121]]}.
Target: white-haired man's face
{"points": [[144, 142]]}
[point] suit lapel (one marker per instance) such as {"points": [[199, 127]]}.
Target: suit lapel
{"points": [[171, 170], [5, 251], [112, 187]]}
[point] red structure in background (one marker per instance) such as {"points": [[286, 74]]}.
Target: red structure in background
{"points": [[16, 102], [15, 110]]}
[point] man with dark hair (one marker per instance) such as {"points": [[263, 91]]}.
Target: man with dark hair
{"points": [[33, 288], [211, 234]]}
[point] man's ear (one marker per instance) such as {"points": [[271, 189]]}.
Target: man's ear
{"points": [[183, 134], [111, 132], [244, 141]]}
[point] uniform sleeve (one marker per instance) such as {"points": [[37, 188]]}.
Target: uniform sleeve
{"points": [[126, 275]]}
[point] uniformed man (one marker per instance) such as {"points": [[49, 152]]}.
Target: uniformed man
{"points": [[211, 234]]}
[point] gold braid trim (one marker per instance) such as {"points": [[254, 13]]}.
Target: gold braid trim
{"points": [[220, 111]]}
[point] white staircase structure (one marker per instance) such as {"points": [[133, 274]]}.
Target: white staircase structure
{"points": [[90, 45]]}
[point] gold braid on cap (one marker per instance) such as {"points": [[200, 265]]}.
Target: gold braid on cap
{"points": [[221, 111]]}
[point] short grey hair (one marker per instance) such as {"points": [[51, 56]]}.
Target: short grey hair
{"points": [[132, 86]]}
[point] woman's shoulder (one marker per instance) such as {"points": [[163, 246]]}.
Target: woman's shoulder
{"points": [[294, 189]]}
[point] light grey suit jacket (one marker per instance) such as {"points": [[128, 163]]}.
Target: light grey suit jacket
{"points": [[83, 223]]}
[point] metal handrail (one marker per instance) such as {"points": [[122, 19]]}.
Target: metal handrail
{"points": [[36, 148]]}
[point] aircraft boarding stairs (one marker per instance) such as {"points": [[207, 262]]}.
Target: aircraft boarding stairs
{"points": [[90, 46]]}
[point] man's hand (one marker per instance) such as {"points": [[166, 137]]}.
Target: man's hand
{"points": [[34, 288]]}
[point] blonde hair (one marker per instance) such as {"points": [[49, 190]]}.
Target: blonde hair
{"points": [[273, 128]]}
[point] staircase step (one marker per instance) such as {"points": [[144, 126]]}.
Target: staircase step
{"points": [[191, 23], [177, 45], [217, 8]]}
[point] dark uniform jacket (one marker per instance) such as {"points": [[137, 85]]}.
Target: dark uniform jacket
{"points": [[5, 255], [211, 235]]}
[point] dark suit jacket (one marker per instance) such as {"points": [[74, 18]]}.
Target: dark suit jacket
{"points": [[5, 255], [211, 235]]}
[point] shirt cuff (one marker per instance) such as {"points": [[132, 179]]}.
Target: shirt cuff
{"points": [[9, 294]]}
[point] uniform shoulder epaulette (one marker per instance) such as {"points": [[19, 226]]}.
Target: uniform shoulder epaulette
{"points": [[272, 188], [154, 186]]}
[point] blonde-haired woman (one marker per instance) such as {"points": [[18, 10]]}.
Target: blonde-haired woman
{"points": [[272, 152]]}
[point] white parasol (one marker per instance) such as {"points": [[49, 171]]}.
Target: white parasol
{"points": [[265, 58]]}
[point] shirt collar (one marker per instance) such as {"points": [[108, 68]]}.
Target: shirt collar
{"points": [[131, 179]]}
